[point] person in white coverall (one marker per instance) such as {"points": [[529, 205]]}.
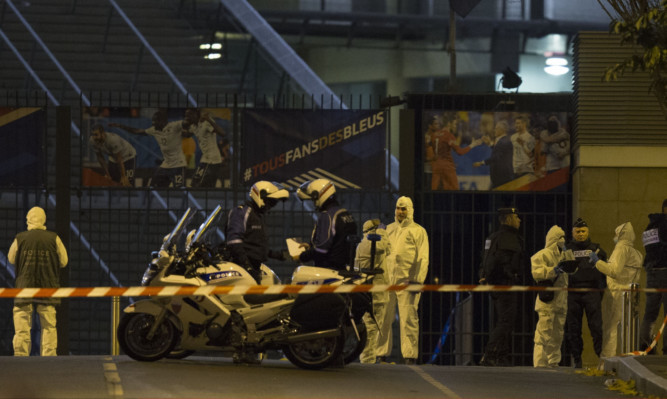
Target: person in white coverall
{"points": [[38, 255], [406, 264], [622, 269], [551, 306], [362, 259]]}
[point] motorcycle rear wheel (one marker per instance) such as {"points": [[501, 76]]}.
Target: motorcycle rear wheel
{"points": [[132, 331], [315, 354], [352, 346]]}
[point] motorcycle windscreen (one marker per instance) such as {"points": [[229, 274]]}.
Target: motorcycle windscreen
{"points": [[318, 311]]}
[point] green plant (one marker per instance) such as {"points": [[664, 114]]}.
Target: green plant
{"points": [[641, 23]]}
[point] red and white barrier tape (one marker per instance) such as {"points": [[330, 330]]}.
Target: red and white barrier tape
{"points": [[653, 344], [92, 292]]}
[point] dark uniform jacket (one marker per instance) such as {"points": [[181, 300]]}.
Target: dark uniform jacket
{"points": [[503, 257], [655, 242], [37, 264], [329, 246], [586, 276], [246, 236]]}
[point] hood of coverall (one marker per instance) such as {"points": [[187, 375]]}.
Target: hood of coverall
{"points": [[555, 235], [406, 202], [36, 218], [625, 232]]}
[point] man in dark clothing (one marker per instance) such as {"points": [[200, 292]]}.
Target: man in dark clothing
{"points": [[38, 255], [586, 276], [655, 243], [329, 245], [245, 231], [502, 264]]}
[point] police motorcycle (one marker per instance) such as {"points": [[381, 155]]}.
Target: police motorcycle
{"points": [[309, 329]]}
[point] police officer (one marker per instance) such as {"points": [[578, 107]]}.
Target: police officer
{"points": [[655, 243], [502, 264], [329, 246], [590, 302], [245, 231]]}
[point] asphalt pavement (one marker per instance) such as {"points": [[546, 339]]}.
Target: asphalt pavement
{"points": [[115, 377]]}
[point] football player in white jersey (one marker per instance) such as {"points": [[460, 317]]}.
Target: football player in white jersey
{"points": [[206, 130], [168, 136], [121, 155]]}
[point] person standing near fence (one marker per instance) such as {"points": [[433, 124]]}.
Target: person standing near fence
{"points": [[655, 243], [406, 264], [622, 270], [502, 264], [38, 254], [363, 260], [589, 302], [551, 306]]}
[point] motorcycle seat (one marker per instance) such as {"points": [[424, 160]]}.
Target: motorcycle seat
{"points": [[255, 299]]}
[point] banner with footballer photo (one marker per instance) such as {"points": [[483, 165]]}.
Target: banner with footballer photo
{"points": [[157, 147], [22, 157], [501, 151], [293, 146]]}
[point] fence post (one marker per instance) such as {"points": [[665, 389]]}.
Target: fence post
{"points": [[115, 317], [630, 319], [634, 317]]}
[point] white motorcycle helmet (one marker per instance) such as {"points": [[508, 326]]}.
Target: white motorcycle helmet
{"points": [[318, 191], [267, 194]]}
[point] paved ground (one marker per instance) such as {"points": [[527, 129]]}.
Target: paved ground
{"points": [[93, 377]]}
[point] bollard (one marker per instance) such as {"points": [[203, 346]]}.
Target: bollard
{"points": [[115, 318], [630, 319]]}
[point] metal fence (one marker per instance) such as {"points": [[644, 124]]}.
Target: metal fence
{"points": [[116, 230], [112, 232]]}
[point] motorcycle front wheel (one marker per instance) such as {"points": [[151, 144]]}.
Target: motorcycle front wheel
{"points": [[314, 354], [353, 346], [132, 337]]}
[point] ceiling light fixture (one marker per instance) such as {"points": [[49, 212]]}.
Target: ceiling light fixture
{"points": [[556, 70], [556, 66]]}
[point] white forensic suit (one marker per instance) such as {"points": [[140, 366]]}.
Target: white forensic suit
{"points": [[407, 263], [622, 269], [551, 312], [38, 254], [380, 299]]}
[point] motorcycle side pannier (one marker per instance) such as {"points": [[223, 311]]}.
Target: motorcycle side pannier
{"points": [[318, 311]]}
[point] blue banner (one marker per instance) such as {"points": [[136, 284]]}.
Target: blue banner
{"points": [[293, 146], [21, 153]]}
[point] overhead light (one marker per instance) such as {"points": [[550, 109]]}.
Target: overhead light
{"points": [[210, 46], [556, 61], [556, 70], [213, 56], [556, 65]]}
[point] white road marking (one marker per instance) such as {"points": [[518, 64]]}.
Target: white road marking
{"points": [[440, 387]]}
